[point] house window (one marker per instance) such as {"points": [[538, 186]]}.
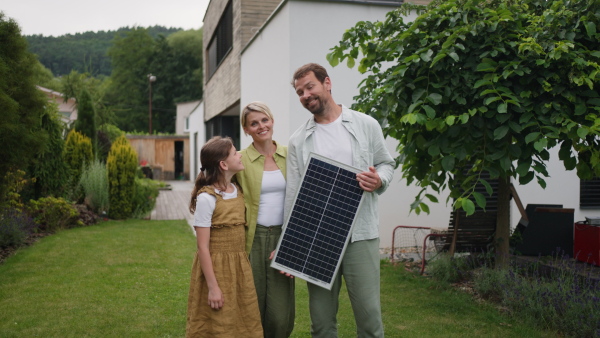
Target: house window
{"points": [[221, 41], [224, 126], [589, 193]]}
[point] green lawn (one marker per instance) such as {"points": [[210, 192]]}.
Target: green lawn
{"points": [[130, 279]]}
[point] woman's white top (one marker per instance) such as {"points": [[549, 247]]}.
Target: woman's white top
{"points": [[272, 198], [205, 206]]}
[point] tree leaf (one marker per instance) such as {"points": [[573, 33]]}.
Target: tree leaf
{"points": [[432, 198], [590, 27], [350, 62], [500, 132], [468, 206], [532, 137], [435, 98], [448, 163], [479, 199]]}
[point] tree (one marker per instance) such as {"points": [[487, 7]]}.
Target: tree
{"points": [[50, 171], [130, 56], [177, 64], [486, 85], [73, 85], [21, 103], [86, 118]]}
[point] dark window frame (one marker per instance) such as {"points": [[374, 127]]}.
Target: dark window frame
{"points": [[589, 193], [221, 42]]}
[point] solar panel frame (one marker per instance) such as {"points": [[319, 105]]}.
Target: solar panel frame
{"points": [[316, 235]]}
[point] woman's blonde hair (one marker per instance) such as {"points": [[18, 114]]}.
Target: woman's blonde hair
{"points": [[255, 107]]}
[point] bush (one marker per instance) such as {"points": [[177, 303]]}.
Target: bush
{"points": [[448, 269], [78, 153], [144, 200], [94, 181], [15, 183], [121, 165], [15, 227], [50, 170], [54, 214]]}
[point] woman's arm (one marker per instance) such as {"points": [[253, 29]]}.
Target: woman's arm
{"points": [[215, 296]]}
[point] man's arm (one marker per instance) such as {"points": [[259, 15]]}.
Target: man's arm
{"points": [[382, 160]]}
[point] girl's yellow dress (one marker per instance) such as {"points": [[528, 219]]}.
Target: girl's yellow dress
{"points": [[239, 316]]}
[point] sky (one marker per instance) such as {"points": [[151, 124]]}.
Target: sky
{"points": [[59, 17]]}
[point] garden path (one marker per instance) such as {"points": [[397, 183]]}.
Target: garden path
{"points": [[174, 203]]}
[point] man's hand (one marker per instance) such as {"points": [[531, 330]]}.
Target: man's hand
{"points": [[369, 180]]}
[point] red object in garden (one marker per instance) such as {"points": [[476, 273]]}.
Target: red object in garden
{"points": [[586, 246]]}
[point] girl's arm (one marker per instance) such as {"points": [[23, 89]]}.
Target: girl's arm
{"points": [[215, 296]]}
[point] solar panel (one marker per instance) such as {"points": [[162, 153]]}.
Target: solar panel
{"points": [[318, 228]]}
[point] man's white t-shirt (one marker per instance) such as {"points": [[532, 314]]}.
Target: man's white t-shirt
{"points": [[334, 141]]}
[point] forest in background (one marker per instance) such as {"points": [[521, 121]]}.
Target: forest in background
{"points": [[82, 52], [114, 68]]}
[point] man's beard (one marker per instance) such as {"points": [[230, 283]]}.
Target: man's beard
{"points": [[319, 107]]}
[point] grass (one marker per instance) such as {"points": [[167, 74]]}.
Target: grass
{"points": [[131, 278]]}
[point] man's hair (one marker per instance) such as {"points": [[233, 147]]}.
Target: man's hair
{"points": [[319, 71]]}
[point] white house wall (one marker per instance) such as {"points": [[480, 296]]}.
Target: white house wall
{"points": [[196, 128], [304, 31]]}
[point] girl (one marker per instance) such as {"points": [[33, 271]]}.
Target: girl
{"points": [[263, 183], [222, 300]]}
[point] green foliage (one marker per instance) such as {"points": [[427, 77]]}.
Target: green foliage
{"points": [[556, 295], [50, 170], [86, 118], [107, 134], [448, 269], [144, 199], [21, 103], [176, 62], [44, 77], [52, 214], [15, 227], [15, 183], [82, 52], [74, 84], [130, 56], [78, 153], [94, 181], [486, 85], [121, 165]]}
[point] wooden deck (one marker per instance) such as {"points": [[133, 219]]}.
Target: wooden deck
{"points": [[174, 203]]}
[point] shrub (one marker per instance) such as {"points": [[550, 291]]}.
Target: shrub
{"points": [[15, 183], [15, 227], [50, 170], [86, 215], [94, 181], [78, 153], [54, 214], [144, 200], [448, 269], [121, 165]]}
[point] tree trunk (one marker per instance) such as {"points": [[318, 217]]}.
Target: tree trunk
{"points": [[501, 240]]}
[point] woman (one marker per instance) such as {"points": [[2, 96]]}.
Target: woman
{"points": [[263, 183]]}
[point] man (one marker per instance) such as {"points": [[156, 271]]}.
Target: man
{"points": [[355, 139]]}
